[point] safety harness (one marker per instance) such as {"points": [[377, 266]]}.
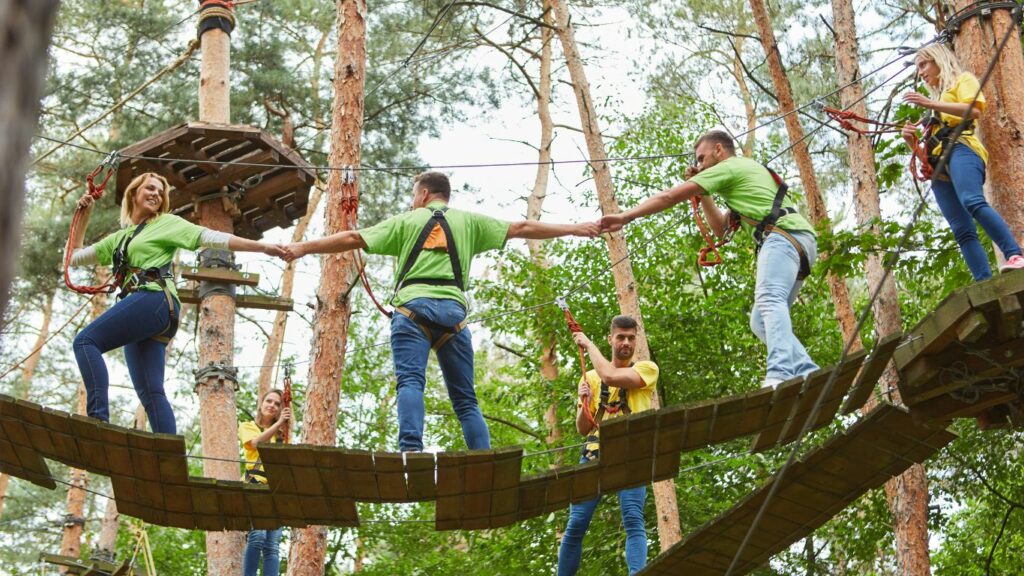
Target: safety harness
{"points": [[135, 277], [762, 228], [605, 407], [940, 135], [256, 474], [437, 334]]}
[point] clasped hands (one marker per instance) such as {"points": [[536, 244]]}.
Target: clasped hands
{"points": [[286, 252]]}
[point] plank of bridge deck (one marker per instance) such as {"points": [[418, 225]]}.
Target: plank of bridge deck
{"points": [[31, 415], [204, 496], [305, 471], [829, 404], [936, 330], [330, 462], [985, 295], [871, 371], [586, 482], [784, 401], [59, 425], [360, 472], [614, 453], [478, 478], [972, 327], [671, 429], [559, 490], [505, 486], [390, 473], [740, 415], [698, 425], [532, 496], [420, 479], [642, 436]]}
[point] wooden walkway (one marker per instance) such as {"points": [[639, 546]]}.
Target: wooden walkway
{"points": [[959, 361]]}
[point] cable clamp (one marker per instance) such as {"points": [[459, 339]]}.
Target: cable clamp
{"points": [[348, 175], [222, 372], [560, 301]]}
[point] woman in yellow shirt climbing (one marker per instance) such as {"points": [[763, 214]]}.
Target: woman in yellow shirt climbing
{"points": [[958, 189], [268, 426]]}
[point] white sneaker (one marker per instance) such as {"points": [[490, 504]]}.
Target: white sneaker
{"points": [[771, 382], [1013, 263]]}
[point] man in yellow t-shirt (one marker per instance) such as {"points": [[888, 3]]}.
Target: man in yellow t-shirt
{"points": [[616, 388]]}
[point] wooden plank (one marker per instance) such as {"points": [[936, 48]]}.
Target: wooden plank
{"points": [[220, 275], [420, 476], [935, 331], [191, 296], [586, 483], [871, 371], [741, 415], [972, 328], [362, 479], [333, 475], [1011, 315], [672, 422], [390, 473], [985, 295], [642, 436], [784, 401], [532, 495], [698, 425]]}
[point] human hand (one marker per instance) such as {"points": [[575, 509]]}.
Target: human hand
{"points": [[584, 388], [909, 132], [917, 99], [586, 230], [691, 171], [286, 415], [275, 250], [86, 201], [292, 251], [612, 223], [581, 340]]}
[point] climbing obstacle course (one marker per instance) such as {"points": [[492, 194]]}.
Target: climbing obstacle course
{"points": [[946, 364]]}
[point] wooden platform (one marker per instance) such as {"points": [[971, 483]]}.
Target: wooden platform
{"points": [[91, 568], [191, 296], [276, 180]]}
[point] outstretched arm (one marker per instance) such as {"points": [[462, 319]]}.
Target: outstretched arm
{"points": [[536, 230], [239, 244], [657, 203], [338, 242]]}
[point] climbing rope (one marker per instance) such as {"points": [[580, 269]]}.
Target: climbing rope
{"points": [[712, 246], [920, 168], [286, 402], [574, 327], [106, 169]]}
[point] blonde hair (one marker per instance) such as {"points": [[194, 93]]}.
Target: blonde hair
{"points": [[949, 66], [128, 202]]}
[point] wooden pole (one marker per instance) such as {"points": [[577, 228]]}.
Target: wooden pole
{"points": [[337, 271], [215, 386], [1002, 124], [625, 284], [795, 131]]}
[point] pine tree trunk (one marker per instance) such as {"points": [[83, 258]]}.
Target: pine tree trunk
{"points": [[106, 544], [815, 202], [665, 491], [534, 209], [74, 519], [1002, 124], [28, 370], [907, 494], [333, 312], [27, 25], [218, 417], [287, 285]]}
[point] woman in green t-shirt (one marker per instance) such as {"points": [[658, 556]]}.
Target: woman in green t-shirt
{"points": [[959, 189], [145, 315]]}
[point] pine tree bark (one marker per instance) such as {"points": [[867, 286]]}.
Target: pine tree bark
{"points": [[28, 370], [795, 131], [1002, 124], [534, 209], [218, 418], [907, 494], [338, 271], [26, 29], [665, 500]]}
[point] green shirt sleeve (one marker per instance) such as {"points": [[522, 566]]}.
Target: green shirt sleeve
{"points": [[384, 237], [490, 233], [105, 247], [715, 180], [184, 234]]}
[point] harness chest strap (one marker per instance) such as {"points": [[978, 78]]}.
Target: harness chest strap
{"points": [[133, 277], [767, 225]]}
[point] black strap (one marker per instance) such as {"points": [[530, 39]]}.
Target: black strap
{"points": [[436, 219], [613, 407], [120, 258], [767, 225], [941, 134], [776, 212]]}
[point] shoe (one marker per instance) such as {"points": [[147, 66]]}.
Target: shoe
{"points": [[771, 382], [1013, 263]]}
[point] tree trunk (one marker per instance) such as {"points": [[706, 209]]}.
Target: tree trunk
{"points": [[748, 99], [218, 417], [287, 285], [74, 519], [1002, 124], [106, 544], [815, 202], [625, 286], [534, 209], [907, 494], [27, 25], [337, 272], [28, 370]]}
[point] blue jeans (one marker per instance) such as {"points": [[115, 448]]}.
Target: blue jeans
{"points": [[265, 544], [410, 350], [631, 505], [774, 293], [130, 323], [962, 201]]}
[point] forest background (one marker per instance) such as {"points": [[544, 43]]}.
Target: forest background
{"points": [[662, 72]]}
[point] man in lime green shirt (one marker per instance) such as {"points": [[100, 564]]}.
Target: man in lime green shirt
{"points": [[787, 246], [435, 246]]}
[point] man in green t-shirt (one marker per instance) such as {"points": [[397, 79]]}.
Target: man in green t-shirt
{"points": [[787, 247], [435, 246]]}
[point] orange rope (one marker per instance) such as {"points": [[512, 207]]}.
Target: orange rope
{"points": [[286, 402], [350, 207], [712, 246], [846, 118], [96, 191], [574, 327], [920, 167]]}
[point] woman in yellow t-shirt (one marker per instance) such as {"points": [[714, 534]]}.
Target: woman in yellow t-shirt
{"points": [[269, 425], [959, 191]]}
